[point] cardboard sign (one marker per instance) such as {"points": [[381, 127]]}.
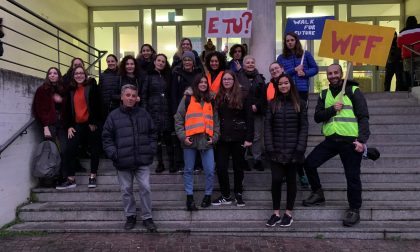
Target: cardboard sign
{"points": [[354, 42], [307, 28], [229, 24]]}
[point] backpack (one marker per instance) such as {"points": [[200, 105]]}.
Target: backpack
{"points": [[46, 162]]}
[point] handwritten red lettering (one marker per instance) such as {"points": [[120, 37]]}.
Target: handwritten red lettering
{"points": [[212, 25]]}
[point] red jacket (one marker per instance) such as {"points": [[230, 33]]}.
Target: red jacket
{"points": [[44, 106], [407, 37]]}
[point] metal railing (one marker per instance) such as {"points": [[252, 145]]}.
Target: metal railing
{"points": [[93, 54], [413, 76], [18, 133]]}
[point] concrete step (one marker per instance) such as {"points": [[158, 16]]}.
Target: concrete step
{"points": [[310, 229], [165, 192], [384, 129], [176, 211]]}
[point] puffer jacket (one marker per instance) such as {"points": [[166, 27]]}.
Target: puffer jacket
{"points": [[155, 99], [199, 141], [285, 131], [109, 85], [181, 80], [309, 67], [129, 138]]}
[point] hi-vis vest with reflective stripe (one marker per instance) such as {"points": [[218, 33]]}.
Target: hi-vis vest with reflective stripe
{"points": [[215, 85], [344, 123], [270, 91], [199, 119]]}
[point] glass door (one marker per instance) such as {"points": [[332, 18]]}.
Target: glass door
{"points": [[166, 37], [128, 42]]}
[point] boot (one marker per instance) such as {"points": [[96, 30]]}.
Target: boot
{"points": [[258, 165], [172, 168], [316, 198], [160, 168], [206, 201], [191, 204]]}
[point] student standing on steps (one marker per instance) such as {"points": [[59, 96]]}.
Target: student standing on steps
{"points": [[197, 127], [346, 129], [129, 140], [285, 138], [236, 134], [215, 65]]}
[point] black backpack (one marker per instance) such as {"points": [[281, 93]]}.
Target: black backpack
{"points": [[47, 160]]}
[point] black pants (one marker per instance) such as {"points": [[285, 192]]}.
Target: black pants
{"points": [[390, 70], [351, 160], [165, 137], [278, 171], [224, 150], [94, 140]]}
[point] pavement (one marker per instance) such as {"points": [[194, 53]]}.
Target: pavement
{"points": [[194, 243]]}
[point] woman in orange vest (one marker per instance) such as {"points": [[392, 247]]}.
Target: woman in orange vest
{"points": [[197, 127], [275, 69], [216, 65]]}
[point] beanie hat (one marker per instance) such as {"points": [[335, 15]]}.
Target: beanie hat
{"points": [[189, 54]]}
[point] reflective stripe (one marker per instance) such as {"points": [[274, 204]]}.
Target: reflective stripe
{"points": [[342, 119], [193, 115], [193, 126], [348, 107], [208, 117]]}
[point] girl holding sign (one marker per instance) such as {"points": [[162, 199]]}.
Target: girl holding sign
{"points": [[298, 63]]}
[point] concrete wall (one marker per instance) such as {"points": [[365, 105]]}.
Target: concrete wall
{"points": [[16, 94], [58, 12]]}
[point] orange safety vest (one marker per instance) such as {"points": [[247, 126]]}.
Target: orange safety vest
{"points": [[270, 91], [215, 85], [199, 119]]}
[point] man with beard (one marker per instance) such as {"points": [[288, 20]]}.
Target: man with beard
{"points": [[345, 121]]}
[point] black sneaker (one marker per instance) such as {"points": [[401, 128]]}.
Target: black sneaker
{"points": [[274, 219], [92, 182], [206, 201], [222, 201], [351, 217], [67, 184], [239, 201], [160, 168], [150, 225], [258, 165], [130, 222], [286, 220], [316, 198], [198, 170]]}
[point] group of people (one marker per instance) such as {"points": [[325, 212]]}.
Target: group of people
{"points": [[211, 110]]}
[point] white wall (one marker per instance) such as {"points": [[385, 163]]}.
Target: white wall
{"points": [[70, 15], [16, 94]]}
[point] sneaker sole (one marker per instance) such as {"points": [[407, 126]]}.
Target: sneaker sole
{"points": [[268, 225], [350, 224], [288, 225], [91, 186], [220, 203], [240, 205], [67, 187]]}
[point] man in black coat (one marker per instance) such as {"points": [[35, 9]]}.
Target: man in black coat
{"points": [[130, 141], [346, 129]]}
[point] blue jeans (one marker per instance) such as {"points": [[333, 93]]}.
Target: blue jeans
{"points": [[207, 157]]}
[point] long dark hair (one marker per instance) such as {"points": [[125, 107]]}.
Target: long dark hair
{"points": [[121, 68], [232, 96], [293, 93], [298, 50], [220, 57], [59, 87], [166, 72], [152, 57], [205, 96]]}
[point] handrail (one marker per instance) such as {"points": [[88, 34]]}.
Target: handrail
{"points": [[93, 54], [410, 48], [18, 133]]}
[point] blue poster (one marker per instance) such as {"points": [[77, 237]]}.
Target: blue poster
{"points": [[307, 28]]}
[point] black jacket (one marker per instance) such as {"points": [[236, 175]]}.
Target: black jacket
{"points": [[155, 98], [129, 138], [109, 85], [360, 109], [286, 131], [253, 87], [181, 80], [177, 61], [236, 125], [93, 101]]}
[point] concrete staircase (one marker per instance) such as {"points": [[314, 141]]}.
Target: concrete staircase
{"points": [[391, 192]]}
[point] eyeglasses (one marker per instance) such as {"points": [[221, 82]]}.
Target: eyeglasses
{"points": [[227, 79]]}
